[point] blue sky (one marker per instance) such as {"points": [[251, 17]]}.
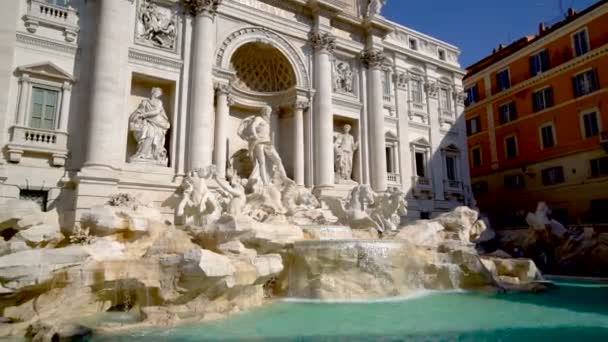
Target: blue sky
{"points": [[477, 26]]}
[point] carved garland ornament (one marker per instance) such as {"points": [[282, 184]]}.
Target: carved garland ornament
{"points": [[274, 38], [373, 58], [402, 79], [432, 88], [197, 7]]}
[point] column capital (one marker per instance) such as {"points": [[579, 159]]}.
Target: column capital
{"points": [[223, 88], [373, 58], [202, 7], [301, 104], [67, 86], [322, 41]]}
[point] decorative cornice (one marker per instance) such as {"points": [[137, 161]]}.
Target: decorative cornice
{"points": [[202, 7], [594, 54], [322, 41], [301, 104], [138, 56], [373, 58], [47, 43], [223, 88]]}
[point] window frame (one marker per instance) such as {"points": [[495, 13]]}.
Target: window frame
{"points": [[477, 119], [546, 105], [506, 149], [598, 120], [573, 41], [512, 113], [600, 174], [553, 135], [514, 176], [499, 72], [442, 54], [540, 62], [476, 148], [468, 100], [419, 89], [545, 171], [30, 106], [585, 72], [415, 45]]}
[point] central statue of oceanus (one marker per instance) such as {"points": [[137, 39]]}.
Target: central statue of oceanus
{"points": [[267, 164]]}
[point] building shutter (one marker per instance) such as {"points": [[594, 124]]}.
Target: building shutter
{"points": [[545, 63], [533, 68], [549, 98]]}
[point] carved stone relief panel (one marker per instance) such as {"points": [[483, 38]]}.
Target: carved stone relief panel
{"points": [[156, 25], [344, 76]]}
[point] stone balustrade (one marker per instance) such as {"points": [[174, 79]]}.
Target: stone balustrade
{"points": [[394, 178], [26, 139], [42, 13]]}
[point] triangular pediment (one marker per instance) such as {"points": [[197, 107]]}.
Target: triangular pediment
{"points": [[46, 69], [421, 142]]}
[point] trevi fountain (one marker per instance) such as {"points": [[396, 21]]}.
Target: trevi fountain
{"points": [[267, 170]]}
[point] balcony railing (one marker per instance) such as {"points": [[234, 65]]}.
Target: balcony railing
{"points": [[453, 187], [394, 178], [63, 18], [26, 139]]}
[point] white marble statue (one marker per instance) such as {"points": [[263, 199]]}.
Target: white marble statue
{"points": [[344, 150], [149, 124], [363, 208], [156, 27], [235, 192], [343, 77], [197, 204], [267, 164], [374, 7]]}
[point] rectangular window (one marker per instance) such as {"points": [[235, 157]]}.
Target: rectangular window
{"points": [[413, 44], [44, 108], [472, 95], [539, 63], [389, 160], [599, 167], [515, 181], [420, 172], [581, 44], [511, 147], [507, 113], [441, 54], [553, 175], [416, 90], [585, 83], [542, 99], [61, 3], [502, 80], [590, 124], [473, 126], [450, 167], [547, 136], [444, 97], [476, 156], [386, 84]]}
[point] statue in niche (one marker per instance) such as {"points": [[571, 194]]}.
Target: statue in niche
{"points": [[149, 124], [267, 164], [343, 77], [344, 150], [374, 7], [156, 27]]}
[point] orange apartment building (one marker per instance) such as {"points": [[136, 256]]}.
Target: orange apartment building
{"points": [[537, 122]]}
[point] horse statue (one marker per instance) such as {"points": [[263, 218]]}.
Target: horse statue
{"points": [[388, 209]]}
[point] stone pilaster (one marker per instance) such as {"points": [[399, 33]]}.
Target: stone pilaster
{"points": [[222, 110], [298, 146], [202, 89], [373, 60], [323, 44], [401, 80]]}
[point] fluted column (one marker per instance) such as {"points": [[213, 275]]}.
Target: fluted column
{"points": [[373, 61], [202, 90], [298, 145], [323, 44], [106, 106], [222, 110]]}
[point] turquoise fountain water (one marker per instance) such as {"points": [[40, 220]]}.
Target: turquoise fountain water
{"points": [[572, 311]]}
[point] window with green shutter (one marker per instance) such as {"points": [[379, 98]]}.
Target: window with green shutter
{"points": [[44, 108]]}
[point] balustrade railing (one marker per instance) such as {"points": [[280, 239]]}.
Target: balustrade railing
{"points": [[63, 18]]}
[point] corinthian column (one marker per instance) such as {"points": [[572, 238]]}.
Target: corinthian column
{"points": [[108, 84], [222, 111], [323, 43], [373, 61], [201, 91], [298, 146]]}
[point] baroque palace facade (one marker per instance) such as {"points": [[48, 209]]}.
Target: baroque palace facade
{"points": [[536, 115], [128, 96]]}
